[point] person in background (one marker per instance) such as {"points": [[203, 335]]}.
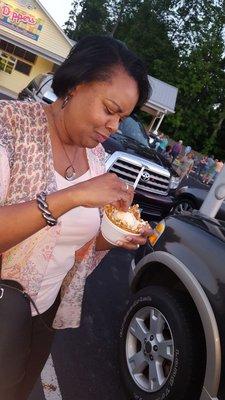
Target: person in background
{"points": [[218, 168], [213, 171], [157, 141], [209, 169], [167, 153], [53, 187], [186, 165], [162, 145], [176, 150], [201, 166], [187, 150]]}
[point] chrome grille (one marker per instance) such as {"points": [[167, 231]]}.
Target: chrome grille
{"points": [[133, 173]]}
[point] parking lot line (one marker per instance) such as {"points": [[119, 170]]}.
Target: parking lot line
{"points": [[50, 382]]}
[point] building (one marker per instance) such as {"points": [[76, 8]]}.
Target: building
{"points": [[161, 102], [31, 43]]}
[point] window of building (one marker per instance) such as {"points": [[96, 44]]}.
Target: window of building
{"points": [[3, 44], [7, 62], [30, 57], [23, 67], [22, 54], [17, 51]]}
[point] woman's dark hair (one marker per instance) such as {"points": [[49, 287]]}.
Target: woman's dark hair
{"points": [[93, 59]]}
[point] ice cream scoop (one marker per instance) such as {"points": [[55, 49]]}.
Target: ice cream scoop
{"points": [[117, 224], [127, 218]]}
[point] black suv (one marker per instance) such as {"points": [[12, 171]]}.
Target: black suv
{"points": [[128, 155], [172, 339]]}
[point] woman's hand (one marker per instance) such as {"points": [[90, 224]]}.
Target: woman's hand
{"points": [[130, 243], [102, 190], [134, 242]]}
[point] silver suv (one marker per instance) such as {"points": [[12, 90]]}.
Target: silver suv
{"points": [[39, 89]]}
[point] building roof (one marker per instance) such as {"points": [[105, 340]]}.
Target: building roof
{"points": [[163, 98]]}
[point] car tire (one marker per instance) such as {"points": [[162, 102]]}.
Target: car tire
{"points": [[178, 360], [184, 204]]}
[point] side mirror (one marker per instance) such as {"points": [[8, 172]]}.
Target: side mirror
{"points": [[49, 97]]}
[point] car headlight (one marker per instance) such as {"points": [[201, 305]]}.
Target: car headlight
{"points": [[174, 182]]}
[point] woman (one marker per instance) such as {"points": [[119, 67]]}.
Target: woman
{"points": [[213, 172], [53, 183], [162, 145], [201, 166], [185, 166], [167, 153]]}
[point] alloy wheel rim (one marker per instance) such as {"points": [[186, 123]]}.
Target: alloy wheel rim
{"points": [[149, 349]]}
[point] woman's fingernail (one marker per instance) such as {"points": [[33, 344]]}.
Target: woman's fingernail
{"points": [[128, 238], [119, 243]]}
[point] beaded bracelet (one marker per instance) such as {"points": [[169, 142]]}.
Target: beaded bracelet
{"points": [[43, 206]]}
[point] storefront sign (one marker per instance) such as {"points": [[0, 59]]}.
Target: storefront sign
{"points": [[20, 21]]}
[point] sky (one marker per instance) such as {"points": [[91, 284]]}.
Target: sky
{"points": [[59, 9]]}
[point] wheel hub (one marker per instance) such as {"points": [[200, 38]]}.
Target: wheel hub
{"points": [[148, 348]]}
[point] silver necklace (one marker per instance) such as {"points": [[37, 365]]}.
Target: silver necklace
{"points": [[69, 174]]}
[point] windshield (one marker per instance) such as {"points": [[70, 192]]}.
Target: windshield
{"points": [[133, 129]]}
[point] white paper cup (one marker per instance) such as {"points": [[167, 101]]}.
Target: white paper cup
{"points": [[113, 233]]}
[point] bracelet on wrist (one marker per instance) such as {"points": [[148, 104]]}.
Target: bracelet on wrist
{"points": [[43, 207]]}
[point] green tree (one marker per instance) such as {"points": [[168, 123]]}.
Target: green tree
{"points": [[200, 76], [92, 19], [145, 31], [70, 24]]}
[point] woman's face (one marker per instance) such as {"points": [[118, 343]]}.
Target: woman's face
{"points": [[96, 109]]}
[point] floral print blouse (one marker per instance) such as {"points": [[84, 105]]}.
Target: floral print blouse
{"points": [[26, 169]]}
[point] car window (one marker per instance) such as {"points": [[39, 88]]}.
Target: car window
{"points": [[45, 85], [132, 129]]}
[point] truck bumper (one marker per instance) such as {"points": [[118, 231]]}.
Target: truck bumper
{"points": [[154, 206]]}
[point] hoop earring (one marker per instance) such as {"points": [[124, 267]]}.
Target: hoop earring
{"points": [[66, 100]]}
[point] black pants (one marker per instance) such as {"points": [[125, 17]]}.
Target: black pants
{"points": [[174, 156], [41, 341]]}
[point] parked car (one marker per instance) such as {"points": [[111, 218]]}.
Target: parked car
{"points": [[172, 339], [190, 198], [128, 155], [38, 88]]}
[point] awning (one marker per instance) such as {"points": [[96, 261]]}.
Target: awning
{"points": [[33, 48], [162, 100]]}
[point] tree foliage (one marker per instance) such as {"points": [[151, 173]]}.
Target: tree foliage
{"points": [[182, 43]]}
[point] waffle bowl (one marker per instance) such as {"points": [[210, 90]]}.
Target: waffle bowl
{"points": [[116, 224]]}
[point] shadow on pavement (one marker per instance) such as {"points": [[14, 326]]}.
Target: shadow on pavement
{"points": [[86, 359]]}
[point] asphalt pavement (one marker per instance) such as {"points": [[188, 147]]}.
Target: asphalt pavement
{"points": [[86, 359]]}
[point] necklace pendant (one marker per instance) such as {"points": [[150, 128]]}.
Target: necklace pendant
{"points": [[70, 173]]}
